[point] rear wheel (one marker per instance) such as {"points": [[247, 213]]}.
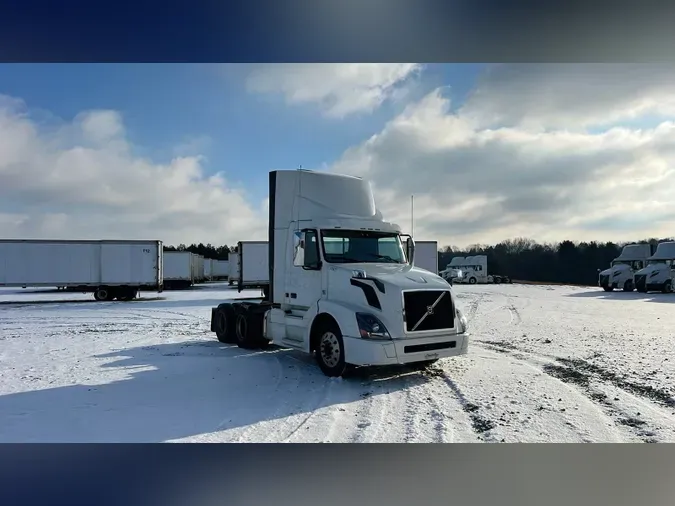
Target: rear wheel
{"points": [[249, 327], [225, 324]]}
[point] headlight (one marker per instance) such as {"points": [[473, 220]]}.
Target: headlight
{"points": [[371, 328], [463, 322]]}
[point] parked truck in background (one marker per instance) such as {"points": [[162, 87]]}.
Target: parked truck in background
{"points": [[475, 271], [621, 271], [253, 270], [108, 269], [234, 268], [426, 255], [453, 271], [341, 283], [657, 275], [178, 270]]}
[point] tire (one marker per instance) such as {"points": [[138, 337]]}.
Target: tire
{"points": [[667, 286], [607, 288], [127, 294], [497, 280], [225, 324], [628, 286], [102, 294], [330, 350], [472, 281], [248, 328]]}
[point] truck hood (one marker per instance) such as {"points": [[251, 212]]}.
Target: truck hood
{"points": [[615, 271], [377, 290], [652, 269], [398, 276]]}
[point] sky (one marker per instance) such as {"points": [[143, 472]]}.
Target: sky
{"points": [[181, 152]]}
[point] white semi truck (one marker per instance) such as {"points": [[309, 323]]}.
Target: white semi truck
{"points": [[426, 255], [453, 271], [657, 275], [341, 283], [621, 271], [108, 269]]}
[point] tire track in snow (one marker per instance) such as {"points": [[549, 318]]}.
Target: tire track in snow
{"points": [[590, 380]]}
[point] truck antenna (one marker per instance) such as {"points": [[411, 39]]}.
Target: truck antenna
{"points": [[412, 215]]}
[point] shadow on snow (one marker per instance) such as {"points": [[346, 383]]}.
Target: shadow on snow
{"points": [[191, 388]]}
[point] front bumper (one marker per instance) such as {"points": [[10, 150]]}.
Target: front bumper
{"points": [[360, 351]]}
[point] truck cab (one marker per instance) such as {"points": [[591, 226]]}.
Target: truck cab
{"points": [[622, 270], [343, 285], [658, 273]]}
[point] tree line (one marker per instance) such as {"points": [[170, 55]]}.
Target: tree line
{"points": [[522, 259]]}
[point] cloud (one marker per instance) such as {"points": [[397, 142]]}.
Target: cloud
{"points": [[571, 96], [82, 180], [474, 184], [339, 89]]}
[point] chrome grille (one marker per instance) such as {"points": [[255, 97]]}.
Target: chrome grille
{"points": [[426, 310]]}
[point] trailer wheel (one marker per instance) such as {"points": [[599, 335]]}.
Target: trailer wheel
{"points": [[225, 324], [103, 294], [330, 350], [127, 294]]}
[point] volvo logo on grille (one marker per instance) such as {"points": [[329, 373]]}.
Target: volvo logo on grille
{"points": [[430, 311]]}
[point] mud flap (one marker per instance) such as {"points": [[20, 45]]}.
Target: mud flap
{"points": [[213, 319]]}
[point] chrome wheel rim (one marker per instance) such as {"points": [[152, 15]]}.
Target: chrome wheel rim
{"points": [[330, 349]]}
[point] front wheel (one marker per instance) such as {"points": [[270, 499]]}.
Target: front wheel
{"points": [[628, 286], [330, 351], [667, 286], [472, 281]]}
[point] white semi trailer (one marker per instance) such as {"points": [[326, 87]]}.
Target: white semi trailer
{"points": [[253, 270], [108, 269], [342, 285], [234, 268], [621, 272], [220, 269], [658, 273], [426, 255], [178, 269]]}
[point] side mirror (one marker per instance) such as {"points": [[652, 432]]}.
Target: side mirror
{"points": [[410, 250]]}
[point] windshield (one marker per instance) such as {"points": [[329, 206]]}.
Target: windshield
{"points": [[620, 262], [654, 262], [357, 246]]}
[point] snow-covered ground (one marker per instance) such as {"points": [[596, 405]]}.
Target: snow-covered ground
{"points": [[559, 364]]}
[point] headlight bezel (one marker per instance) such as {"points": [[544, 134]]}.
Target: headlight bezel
{"points": [[366, 322]]}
